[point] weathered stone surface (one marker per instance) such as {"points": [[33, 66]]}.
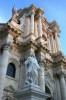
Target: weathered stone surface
{"points": [[32, 44]]}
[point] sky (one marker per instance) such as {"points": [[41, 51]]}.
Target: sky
{"points": [[53, 10]]}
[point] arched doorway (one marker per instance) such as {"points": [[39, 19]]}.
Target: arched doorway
{"points": [[47, 90]]}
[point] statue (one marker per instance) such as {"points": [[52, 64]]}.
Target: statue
{"points": [[32, 68], [15, 15]]}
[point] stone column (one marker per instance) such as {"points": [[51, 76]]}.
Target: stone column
{"points": [[49, 46], [62, 86], [27, 26], [57, 42], [41, 81], [32, 22], [3, 67], [39, 26], [52, 44], [57, 93], [35, 28]]}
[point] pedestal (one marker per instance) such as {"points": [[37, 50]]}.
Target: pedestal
{"points": [[31, 92]]}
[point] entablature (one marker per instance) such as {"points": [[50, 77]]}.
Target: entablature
{"points": [[59, 59]]}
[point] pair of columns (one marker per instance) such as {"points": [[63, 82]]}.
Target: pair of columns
{"points": [[32, 27], [3, 67]]}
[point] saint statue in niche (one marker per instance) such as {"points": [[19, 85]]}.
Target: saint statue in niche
{"points": [[32, 68]]}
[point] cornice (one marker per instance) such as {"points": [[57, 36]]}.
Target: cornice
{"points": [[54, 27], [11, 26], [28, 45], [28, 9], [9, 29], [41, 47], [31, 90], [59, 59]]}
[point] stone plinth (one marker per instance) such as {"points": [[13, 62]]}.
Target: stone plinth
{"points": [[31, 92]]}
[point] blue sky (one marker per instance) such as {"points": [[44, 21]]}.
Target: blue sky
{"points": [[53, 10]]}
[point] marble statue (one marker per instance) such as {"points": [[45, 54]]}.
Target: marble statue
{"points": [[15, 15], [32, 68]]}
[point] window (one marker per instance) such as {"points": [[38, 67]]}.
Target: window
{"points": [[11, 70]]}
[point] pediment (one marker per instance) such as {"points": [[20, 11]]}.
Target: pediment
{"points": [[9, 88]]}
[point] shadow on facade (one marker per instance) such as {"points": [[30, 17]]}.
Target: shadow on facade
{"points": [[47, 90]]}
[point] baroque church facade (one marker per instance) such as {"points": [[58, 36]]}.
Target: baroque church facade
{"points": [[32, 65]]}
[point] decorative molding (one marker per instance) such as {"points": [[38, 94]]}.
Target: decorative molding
{"points": [[9, 89], [7, 46]]}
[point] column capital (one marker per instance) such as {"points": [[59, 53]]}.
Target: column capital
{"points": [[7, 46], [60, 74], [32, 11], [42, 62], [39, 15]]}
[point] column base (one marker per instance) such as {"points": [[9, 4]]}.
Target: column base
{"points": [[31, 92]]}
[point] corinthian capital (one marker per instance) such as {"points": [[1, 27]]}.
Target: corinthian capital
{"points": [[61, 74], [39, 15], [32, 11], [7, 46], [42, 61]]}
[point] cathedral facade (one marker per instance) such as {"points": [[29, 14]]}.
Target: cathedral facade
{"points": [[32, 65]]}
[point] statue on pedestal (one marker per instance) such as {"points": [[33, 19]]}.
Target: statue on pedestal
{"points": [[15, 15], [32, 68]]}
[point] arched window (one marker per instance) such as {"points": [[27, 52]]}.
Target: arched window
{"points": [[11, 70]]}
